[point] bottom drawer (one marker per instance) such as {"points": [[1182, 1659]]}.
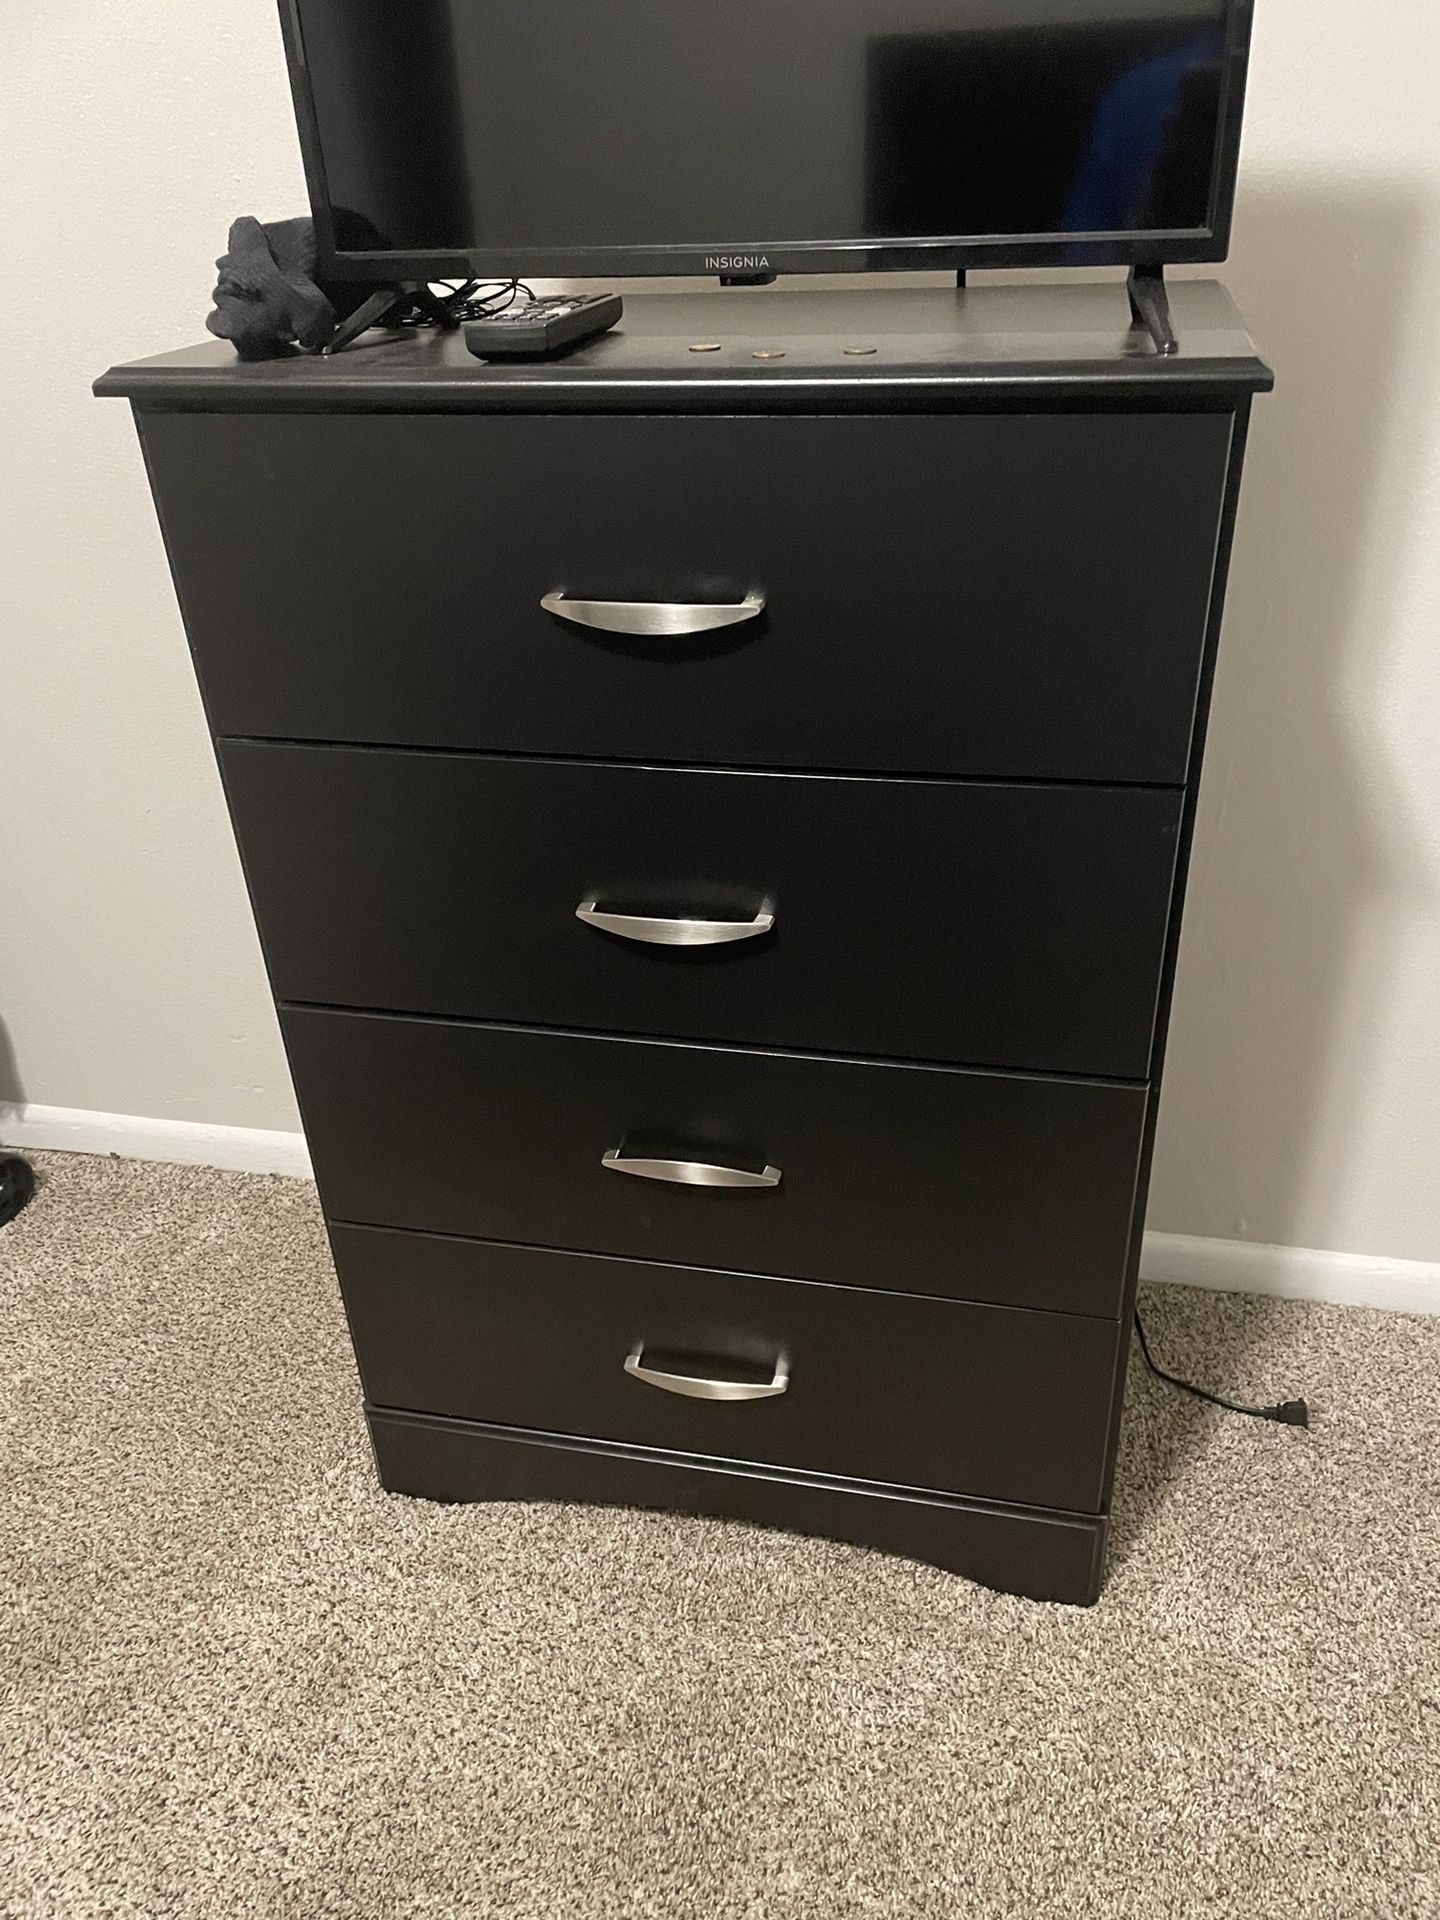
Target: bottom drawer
{"points": [[996, 1402]]}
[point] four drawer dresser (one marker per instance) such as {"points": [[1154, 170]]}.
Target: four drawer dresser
{"points": [[717, 828]]}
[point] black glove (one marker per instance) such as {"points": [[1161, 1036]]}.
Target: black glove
{"points": [[266, 298]]}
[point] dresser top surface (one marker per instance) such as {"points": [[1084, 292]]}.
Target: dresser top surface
{"points": [[934, 348]]}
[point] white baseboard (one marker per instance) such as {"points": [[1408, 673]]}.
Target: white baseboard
{"points": [[1293, 1273], [1230, 1266], [190, 1143]]}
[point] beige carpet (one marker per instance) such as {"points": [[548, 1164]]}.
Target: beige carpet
{"points": [[238, 1680]]}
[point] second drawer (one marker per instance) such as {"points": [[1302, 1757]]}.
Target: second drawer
{"points": [[980, 1186], [928, 1393], [1012, 926]]}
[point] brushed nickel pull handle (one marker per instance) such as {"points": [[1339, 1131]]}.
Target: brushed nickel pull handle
{"points": [[696, 1389], [658, 931], [652, 616], [687, 1173]]}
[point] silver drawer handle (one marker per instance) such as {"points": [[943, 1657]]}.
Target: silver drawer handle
{"points": [[688, 1173], [693, 1389], [658, 932], [652, 616]]}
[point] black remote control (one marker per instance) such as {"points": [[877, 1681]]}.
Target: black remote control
{"points": [[538, 328]]}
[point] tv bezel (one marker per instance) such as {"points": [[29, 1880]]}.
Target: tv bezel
{"points": [[730, 258]]}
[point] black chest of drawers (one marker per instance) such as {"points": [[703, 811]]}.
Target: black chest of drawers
{"points": [[717, 831]]}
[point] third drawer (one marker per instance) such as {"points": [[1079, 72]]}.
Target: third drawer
{"points": [[1000, 925], [982, 1186]]}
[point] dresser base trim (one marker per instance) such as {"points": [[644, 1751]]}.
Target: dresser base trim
{"points": [[1041, 1556]]}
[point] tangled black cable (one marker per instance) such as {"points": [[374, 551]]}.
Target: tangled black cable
{"points": [[475, 299]]}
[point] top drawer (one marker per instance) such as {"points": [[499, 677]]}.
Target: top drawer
{"points": [[1016, 594]]}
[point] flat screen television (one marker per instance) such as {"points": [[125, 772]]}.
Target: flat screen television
{"points": [[451, 138]]}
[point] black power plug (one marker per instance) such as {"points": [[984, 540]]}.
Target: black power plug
{"points": [[1289, 1413]]}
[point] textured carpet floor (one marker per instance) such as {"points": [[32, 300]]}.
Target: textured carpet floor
{"points": [[238, 1680]]}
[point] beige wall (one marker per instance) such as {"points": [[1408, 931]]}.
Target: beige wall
{"points": [[1303, 1091], [130, 981], [1302, 1105]]}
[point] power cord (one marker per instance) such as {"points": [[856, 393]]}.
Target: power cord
{"points": [[1289, 1413], [475, 299]]}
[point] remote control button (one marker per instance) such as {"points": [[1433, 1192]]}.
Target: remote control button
{"points": [[861, 349], [768, 353], [706, 346]]}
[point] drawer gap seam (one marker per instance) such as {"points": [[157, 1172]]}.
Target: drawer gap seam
{"points": [[626, 1037], [645, 763]]}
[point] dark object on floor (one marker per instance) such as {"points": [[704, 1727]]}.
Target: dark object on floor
{"points": [[17, 1185], [1289, 1413], [267, 300]]}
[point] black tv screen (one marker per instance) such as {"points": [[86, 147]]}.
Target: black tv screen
{"points": [[733, 136]]}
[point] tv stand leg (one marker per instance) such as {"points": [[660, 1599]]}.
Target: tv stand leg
{"points": [[368, 314], [402, 302], [1150, 307]]}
